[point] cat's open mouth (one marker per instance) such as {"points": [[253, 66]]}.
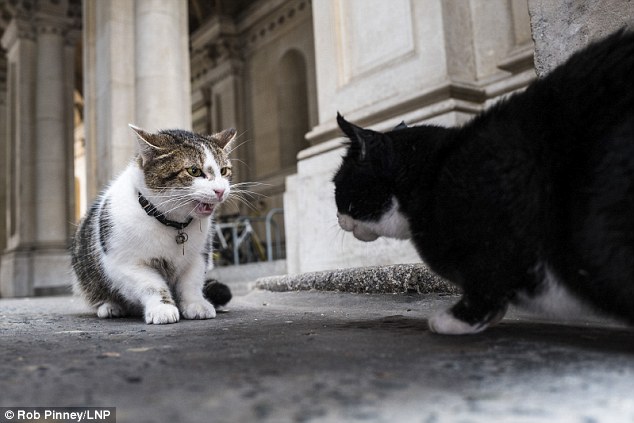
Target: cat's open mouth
{"points": [[204, 209]]}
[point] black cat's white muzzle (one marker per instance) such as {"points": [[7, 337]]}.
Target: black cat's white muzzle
{"points": [[358, 229]]}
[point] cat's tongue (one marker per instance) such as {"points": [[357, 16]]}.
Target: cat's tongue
{"points": [[204, 209]]}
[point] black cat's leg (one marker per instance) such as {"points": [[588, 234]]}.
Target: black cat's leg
{"points": [[472, 314]]}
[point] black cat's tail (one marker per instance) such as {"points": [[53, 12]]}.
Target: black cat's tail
{"points": [[216, 293]]}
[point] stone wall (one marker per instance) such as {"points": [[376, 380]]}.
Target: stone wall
{"points": [[562, 27], [382, 62]]}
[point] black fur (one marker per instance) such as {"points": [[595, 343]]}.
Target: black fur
{"points": [[216, 293], [546, 176]]}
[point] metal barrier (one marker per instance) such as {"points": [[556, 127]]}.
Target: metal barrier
{"points": [[278, 235], [244, 238]]}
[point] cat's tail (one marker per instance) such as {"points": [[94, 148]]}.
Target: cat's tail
{"points": [[216, 293]]}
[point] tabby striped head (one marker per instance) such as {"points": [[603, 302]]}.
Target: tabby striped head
{"points": [[185, 173]]}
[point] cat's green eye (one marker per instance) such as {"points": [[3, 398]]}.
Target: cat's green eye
{"points": [[194, 171], [225, 171]]}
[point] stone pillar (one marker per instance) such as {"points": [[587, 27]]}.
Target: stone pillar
{"points": [[108, 89], [38, 141], [136, 70], [163, 97], [15, 271], [51, 200], [4, 146], [53, 164]]}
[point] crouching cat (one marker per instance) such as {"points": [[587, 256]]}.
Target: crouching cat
{"points": [[143, 247], [531, 202]]}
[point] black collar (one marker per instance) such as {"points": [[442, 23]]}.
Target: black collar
{"points": [[152, 211]]}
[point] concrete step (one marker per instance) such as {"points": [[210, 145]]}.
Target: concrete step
{"points": [[400, 278]]}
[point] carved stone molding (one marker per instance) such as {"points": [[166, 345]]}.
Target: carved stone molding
{"points": [[228, 41], [25, 19], [261, 32], [20, 28], [208, 59]]}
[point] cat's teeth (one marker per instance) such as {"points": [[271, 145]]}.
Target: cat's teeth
{"points": [[204, 209]]}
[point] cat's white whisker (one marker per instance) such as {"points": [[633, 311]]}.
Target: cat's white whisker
{"points": [[234, 148]]}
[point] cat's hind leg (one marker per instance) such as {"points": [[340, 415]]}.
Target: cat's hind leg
{"points": [[467, 317]]}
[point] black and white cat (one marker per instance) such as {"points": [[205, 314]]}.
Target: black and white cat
{"points": [[530, 203], [144, 245]]}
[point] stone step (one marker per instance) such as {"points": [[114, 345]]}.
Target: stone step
{"points": [[392, 279]]}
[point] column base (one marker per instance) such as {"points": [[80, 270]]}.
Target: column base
{"points": [[35, 272]]}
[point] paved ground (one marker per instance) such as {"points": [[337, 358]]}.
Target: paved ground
{"points": [[314, 357]]}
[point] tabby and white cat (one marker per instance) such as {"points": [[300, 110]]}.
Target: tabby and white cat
{"points": [[530, 203], [143, 247]]}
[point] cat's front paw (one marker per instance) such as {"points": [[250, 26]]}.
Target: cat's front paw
{"points": [[161, 314], [198, 310], [446, 323]]}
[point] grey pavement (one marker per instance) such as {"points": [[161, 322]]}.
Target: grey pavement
{"points": [[315, 357]]}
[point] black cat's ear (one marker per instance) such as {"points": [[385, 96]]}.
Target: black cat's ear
{"points": [[358, 136], [401, 125], [224, 138], [348, 128], [148, 145]]}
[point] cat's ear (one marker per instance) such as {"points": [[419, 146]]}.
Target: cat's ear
{"points": [[225, 138], [147, 145], [358, 136], [400, 126]]}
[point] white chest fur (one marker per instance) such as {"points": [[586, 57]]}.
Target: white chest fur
{"points": [[136, 236]]}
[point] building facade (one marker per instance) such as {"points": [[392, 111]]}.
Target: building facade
{"points": [[74, 74]]}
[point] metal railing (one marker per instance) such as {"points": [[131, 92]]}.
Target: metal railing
{"points": [[236, 242]]}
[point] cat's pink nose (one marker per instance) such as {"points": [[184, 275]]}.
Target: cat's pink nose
{"points": [[219, 193]]}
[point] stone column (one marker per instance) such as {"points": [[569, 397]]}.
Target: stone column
{"points": [[163, 97], [4, 146], [15, 271], [136, 70], [53, 139], [38, 139], [50, 160], [108, 31]]}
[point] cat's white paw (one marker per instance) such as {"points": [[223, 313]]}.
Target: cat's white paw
{"points": [[160, 314], [198, 310], [445, 323], [109, 310]]}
